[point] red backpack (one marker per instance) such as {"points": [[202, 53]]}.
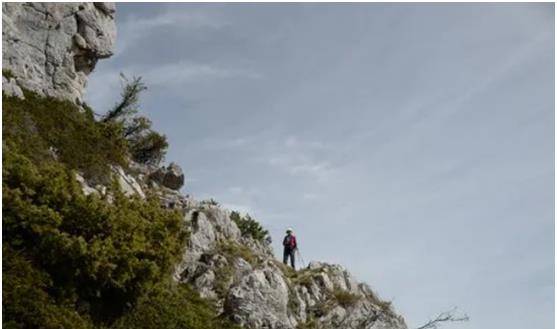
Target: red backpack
{"points": [[290, 241]]}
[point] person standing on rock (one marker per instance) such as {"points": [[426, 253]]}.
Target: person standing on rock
{"points": [[290, 246]]}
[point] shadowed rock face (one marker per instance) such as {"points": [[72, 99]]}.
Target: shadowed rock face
{"points": [[171, 176], [51, 48]]}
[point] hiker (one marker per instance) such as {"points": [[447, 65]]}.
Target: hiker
{"points": [[290, 247]]}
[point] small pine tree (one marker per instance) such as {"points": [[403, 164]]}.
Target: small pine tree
{"points": [[145, 145], [129, 102]]}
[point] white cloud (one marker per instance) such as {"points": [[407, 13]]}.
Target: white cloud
{"points": [[295, 142], [236, 189], [302, 165], [310, 196], [241, 208], [184, 71], [134, 28]]}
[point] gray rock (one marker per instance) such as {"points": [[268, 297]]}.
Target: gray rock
{"points": [[128, 183], [260, 300], [261, 294], [80, 41], [170, 176], [50, 48], [85, 187], [10, 87]]}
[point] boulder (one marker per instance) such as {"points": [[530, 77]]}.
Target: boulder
{"points": [[171, 176]]}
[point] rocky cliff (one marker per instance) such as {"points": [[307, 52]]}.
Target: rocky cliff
{"points": [[50, 48], [227, 258]]}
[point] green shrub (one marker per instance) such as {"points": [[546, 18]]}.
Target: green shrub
{"points": [[302, 277], [321, 308], [288, 271], [76, 261], [231, 251], [148, 148], [25, 299], [345, 298], [223, 279], [293, 303], [7, 73], [172, 307], [96, 255], [249, 226], [210, 202], [105, 253], [311, 323], [45, 128]]}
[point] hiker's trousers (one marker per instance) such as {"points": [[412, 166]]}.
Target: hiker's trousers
{"points": [[289, 253]]}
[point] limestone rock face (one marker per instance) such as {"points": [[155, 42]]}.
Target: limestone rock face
{"points": [[51, 48], [256, 291], [128, 183]]}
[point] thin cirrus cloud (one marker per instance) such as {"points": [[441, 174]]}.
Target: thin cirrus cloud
{"points": [[298, 164], [135, 27], [174, 74]]}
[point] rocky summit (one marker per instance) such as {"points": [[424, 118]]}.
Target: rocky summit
{"points": [[241, 273], [226, 258]]}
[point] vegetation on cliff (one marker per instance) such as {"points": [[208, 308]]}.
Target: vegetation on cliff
{"points": [[249, 226], [77, 261]]}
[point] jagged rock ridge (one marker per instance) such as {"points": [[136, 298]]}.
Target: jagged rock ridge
{"points": [[260, 292], [246, 281], [51, 48], [242, 276]]}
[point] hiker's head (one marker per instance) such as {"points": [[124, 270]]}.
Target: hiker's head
{"points": [[289, 230]]}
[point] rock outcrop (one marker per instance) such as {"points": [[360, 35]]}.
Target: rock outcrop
{"points": [[255, 290], [51, 48]]}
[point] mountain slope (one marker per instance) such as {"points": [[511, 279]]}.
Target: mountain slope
{"points": [[93, 239]]}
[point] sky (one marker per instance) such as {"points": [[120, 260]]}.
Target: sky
{"points": [[411, 143]]}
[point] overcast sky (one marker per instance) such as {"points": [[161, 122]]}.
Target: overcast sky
{"points": [[411, 143]]}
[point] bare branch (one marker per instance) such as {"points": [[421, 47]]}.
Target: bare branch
{"points": [[444, 317]]}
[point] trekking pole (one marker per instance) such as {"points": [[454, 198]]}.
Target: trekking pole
{"points": [[301, 258]]}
